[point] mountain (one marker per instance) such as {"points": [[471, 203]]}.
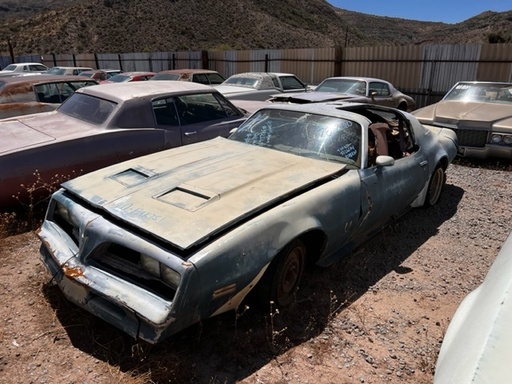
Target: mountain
{"points": [[115, 26]]}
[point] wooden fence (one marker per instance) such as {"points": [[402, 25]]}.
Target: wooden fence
{"points": [[425, 72]]}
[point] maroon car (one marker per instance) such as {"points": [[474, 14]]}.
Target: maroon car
{"points": [[102, 125], [23, 95]]}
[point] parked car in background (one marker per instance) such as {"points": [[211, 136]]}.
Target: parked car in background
{"points": [[160, 242], [23, 69], [98, 74], [481, 115], [260, 85], [126, 77], [477, 346], [67, 70], [202, 76], [356, 89], [102, 125], [112, 72], [23, 95]]}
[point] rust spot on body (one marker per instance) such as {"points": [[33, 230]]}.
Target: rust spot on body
{"points": [[73, 272]]}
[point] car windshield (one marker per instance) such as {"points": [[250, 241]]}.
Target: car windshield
{"points": [[57, 71], [88, 108], [11, 67], [322, 137], [166, 76], [488, 92], [350, 86], [119, 78]]}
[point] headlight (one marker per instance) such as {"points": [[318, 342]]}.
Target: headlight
{"points": [[168, 275], [507, 139], [61, 211], [150, 265], [496, 139]]}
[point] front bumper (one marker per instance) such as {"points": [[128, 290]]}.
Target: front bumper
{"points": [[75, 259]]}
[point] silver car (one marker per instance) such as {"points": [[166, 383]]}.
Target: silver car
{"points": [[157, 243]]}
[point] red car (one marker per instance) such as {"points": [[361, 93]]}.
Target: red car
{"points": [[126, 77]]}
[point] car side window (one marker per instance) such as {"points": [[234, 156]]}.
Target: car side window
{"points": [[199, 108], [200, 78], [49, 93], [215, 78], [165, 112], [382, 89], [389, 134], [291, 82], [55, 93]]}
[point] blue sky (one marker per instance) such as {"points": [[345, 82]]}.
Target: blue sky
{"points": [[446, 11]]}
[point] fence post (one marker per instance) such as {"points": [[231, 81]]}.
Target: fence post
{"points": [[96, 61], [11, 50], [204, 57], [266, 62], [120, 62], [338, 61]]}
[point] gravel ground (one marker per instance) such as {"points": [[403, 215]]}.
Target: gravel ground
{"points": [[378, 316]]}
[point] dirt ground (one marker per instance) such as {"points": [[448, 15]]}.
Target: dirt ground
{"points": [[377, 316]]}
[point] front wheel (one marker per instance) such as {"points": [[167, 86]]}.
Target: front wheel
{"points": [[435, 186], [282, 278]]}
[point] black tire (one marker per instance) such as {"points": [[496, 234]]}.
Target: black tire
{"points": [[435, 186], [282, 278]]}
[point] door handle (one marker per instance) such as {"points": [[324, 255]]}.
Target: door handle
{"points": [[190, 133], [424, 163]]}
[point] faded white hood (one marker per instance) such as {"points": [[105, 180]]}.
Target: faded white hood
{"points": [[187, 194]]}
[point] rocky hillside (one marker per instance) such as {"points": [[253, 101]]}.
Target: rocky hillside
{"points": [[72, 26]]}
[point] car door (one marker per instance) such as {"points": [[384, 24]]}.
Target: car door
{"points": [[192, 118], [388, 190]]}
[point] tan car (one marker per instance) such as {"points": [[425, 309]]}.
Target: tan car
{"points": [[481, 115], [23, 95], [355, 89], [67, 70]]}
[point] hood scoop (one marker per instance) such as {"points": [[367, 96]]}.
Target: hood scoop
{"points": [[188, 197], [133, 176]]}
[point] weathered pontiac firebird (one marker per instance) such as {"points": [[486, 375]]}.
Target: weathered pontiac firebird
{"points": [[155, 244]]}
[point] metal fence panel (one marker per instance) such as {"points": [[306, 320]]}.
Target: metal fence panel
{"points": [[444, 65], [424, 71]]}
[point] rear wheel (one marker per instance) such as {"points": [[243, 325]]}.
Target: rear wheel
{"points": [[282, 278], [435, 186]]}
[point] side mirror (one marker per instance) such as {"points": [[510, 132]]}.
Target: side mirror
{"points": [[384, 161], [373, 94]]}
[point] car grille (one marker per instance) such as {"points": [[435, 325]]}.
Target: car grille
{"points": [[125, 263], [117, 260], [471, 138]]}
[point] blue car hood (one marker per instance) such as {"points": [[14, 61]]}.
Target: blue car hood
{"points": [[187, 194]]}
